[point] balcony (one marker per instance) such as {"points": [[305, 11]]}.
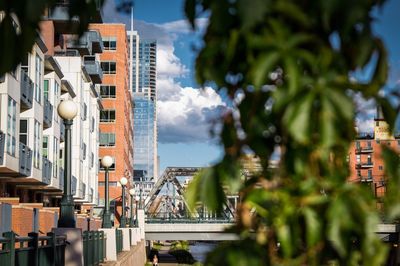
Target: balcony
{"points": [[61, 178], [83, 45], [68, 53], [46, 171], [47, 114], [97, 42], [25, 160], [93, 68], [58, 13], [62, 132], [26, 91], [364, 165], [2, 144], [365, 179], [364, 150]]}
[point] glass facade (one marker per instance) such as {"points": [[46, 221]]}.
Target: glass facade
{"points": [[144, 135]]}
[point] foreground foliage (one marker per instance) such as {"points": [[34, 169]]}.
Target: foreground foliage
{"points": [[287, 66]]}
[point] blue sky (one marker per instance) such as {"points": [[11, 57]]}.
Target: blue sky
{"points": [[183, 110]]}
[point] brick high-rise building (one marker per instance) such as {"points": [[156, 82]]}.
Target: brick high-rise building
{"points": [[116, 119], [365, 155]]}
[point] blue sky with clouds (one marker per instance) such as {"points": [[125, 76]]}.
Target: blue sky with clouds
{"points": [[183, 109]]}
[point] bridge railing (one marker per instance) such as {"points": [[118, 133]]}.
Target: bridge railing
{"points": [[168, 217]]}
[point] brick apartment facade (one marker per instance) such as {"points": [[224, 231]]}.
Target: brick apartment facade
{"points": [[365, 156], [116, 120]]}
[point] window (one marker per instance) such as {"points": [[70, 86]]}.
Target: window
{"points": [[358, 158], [83, 150], [38, 78], [92, 125], [11, 126], [84, 113], [46, 89], [380, 167], [107, 116], [109, 67], [369, 144], [107, 139], [45, 147], [358, 173], [357, 144], [369, 173], [36, 145], [55, 157], [110, 43], [107, 91], [23, 131], [56, 98], [91, 160], [111, 168]]}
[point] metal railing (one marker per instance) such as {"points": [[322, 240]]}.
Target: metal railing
{"points": [[2, 144], [26, 91], [94, 70], [32, 250], [97, 42], [118, 238], [364, 149], [47, 114], [83, 44], [94, 247], [364, 165], [190, 218], [25, 160]]}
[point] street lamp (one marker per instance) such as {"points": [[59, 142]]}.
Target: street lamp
{"points": [[131, 221], [123, 182], [67, 110], [106, 162], [137, 198]]}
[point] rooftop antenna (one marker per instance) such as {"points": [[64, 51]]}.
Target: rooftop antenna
{"points": [[132, 17]]}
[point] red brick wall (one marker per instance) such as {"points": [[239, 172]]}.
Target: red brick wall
{"points": [[22, 220], [46, 221]]}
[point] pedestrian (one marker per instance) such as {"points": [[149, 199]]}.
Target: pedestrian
{"points": [[155, 260]]}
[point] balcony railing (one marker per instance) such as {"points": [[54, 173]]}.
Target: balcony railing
{"points": [[364, 165], [2, 144], [26, 91], [46, 171], [94, 70], [83, 45], [364, 149], [365, 178], [25, 160], [69, 53], [47, 114], [61, 179], [97, 42]]}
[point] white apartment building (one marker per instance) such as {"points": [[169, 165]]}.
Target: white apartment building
{"points": [[31, 131]]}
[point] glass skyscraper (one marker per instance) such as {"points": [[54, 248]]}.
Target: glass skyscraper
{"points": [[143, 87]]}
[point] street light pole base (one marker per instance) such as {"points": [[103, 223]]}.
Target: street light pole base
{"points": [[123, 222], [106, 220], [67, 214]]}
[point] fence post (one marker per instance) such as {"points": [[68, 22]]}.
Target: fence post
{"points": [[85, 247], [34, 243], [10, 245], [52, 243], [101, 246]]}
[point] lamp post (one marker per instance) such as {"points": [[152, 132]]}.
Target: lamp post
{"points": [[123, 183], [106, 162], [136, 219], [67, 110], [131, 221]]}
